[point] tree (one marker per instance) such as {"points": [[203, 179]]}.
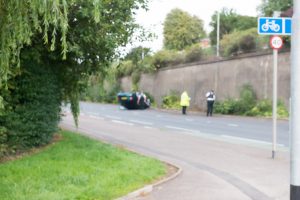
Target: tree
{"points": [[182, 30], [230, 21], [21, 20], [240, 42], [137, 54], [94, 30], [267, 7]]}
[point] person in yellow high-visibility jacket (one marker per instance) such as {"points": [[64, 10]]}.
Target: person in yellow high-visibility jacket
{"points": [[184, 101]]}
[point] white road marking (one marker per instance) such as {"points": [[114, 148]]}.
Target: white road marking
{"points": [[249, 140], [93, 113], [112, 117], [189, 120], [122, 122], [141, 122], [181, 129], [149, 127], [233, 125], [96, 117]]}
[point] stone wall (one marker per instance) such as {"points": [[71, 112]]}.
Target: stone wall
{"points": [[226, 77]]}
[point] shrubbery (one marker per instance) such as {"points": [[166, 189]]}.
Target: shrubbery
{"points": [[165, 58], [171, 101], [4, 149], [102, 88], [248, 105], [33, 111], [240, 42], [193, 53]]}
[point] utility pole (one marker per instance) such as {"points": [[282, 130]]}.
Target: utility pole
{"points": [[295, 105], [218, 34]]}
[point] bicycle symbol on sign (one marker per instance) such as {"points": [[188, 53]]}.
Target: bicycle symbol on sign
{"points": [[270, 25]]}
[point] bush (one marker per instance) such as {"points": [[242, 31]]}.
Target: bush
{"points": [[247, 43], [93, 93], [240, 106], [229, 106], [240, 42], [135, 79], [281, 110], [265, 108], [34, 109], [248, 105], [193, 53], [247, 98], [166, 58], [3, 142], [171, 101], [262, 108], [102, 88], [108, 94], [126, 68]]}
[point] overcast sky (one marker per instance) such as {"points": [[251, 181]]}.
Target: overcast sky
{"points": [[204, 9]]}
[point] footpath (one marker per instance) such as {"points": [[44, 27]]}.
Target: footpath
{"points": [[226, 172]]}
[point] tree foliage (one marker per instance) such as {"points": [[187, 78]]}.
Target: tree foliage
{"points": [[240, 42], [34, 111], [230, 21], [137, 54], [89, 33], [20, 20], [182, 30], [267, 7]]}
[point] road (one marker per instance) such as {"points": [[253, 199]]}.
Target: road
{"points": [[221, 157], [231, 128]]}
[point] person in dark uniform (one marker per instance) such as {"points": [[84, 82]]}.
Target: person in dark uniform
{"points": [[210, 98]]}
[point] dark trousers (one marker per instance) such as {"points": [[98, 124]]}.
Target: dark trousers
{"points": [[210, 107], [184, 110]]}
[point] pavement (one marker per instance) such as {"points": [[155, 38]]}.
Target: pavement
{"points": [[208, 168]]}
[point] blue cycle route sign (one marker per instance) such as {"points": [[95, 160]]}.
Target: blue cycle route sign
{"points": [[274, 26]]}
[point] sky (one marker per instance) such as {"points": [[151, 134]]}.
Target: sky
{"points": [[158, 9]]}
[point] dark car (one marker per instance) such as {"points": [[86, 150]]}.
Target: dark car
{"points": [[133, 100]]}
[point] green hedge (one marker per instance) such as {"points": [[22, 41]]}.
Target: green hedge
{"points": [[33, 109]]}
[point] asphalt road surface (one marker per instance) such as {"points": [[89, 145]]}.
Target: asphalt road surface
{"points": [[244, 129], [226, 158]]}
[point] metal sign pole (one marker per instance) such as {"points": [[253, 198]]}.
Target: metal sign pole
{"points": [[218, 34], [276, 43], [295, 101], [275, 59]]}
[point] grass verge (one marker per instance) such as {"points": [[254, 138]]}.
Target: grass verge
{"points": [[78, 168]]}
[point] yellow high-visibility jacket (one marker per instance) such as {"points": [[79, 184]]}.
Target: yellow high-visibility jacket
{"points": [[185, 99]]}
